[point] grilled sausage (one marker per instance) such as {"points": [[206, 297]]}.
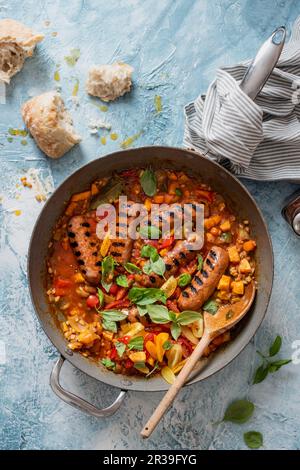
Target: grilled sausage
{"points": [[86, 246], [121, 247], [179, 256], [205, 281]]}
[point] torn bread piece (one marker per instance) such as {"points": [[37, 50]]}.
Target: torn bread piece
{"points": [[50, 124], [17, 42], [109, 82]]}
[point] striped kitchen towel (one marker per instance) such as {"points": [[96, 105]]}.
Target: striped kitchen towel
{"points": [[259, 139]]}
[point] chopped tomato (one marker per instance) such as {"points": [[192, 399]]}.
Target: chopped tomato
{"points": [[187, 347], [208, 195], [172, 305], [118, 303], [121, 293], [149, 337], [113, 289], [128, 364], [92, 301], [129, 173], [62, 286], [124, 339], [167, 242], [113, 353]]}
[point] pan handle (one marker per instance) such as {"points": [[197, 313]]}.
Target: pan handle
{"points": [[78, 402]]}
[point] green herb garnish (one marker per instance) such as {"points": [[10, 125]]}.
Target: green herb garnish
{"points": [[150, 232], [211, 306], [167, 345], [200, 262], [146, 295], [108, 265], [267, 366], [136, 343], [178, 192], [184, 279], [120, 347], [132, 268], [240, 411], [122, 280], [149, 251], [148, 182], [108, 363], [253, 439]]}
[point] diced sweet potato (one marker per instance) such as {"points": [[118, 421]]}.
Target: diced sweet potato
{"points": [[224, 283], [233, 254], [225, 226], [250, 245], [244, 266], [212, 221], [237, 287], [223, 295]]}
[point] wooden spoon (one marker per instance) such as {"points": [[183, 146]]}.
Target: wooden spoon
{"points": [[226, 317]]}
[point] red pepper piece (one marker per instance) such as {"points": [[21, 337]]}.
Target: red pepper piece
{"points": [[117, 303], [113, 289], [128, 364], [167, 242], [113, 353], [208, 195], [124, 339]]}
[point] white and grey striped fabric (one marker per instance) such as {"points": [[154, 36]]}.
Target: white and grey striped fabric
{"points": [[257, 140]]}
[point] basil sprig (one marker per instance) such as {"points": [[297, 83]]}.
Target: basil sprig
{"points": [[146, 295], [120, 347], [160, 314], [110, 317], [148, 182], [149, 251], [108, 265], [132, 268], [157, 267], [269, 366], [100, 297]]}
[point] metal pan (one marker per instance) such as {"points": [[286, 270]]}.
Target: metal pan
{"points": [[222, 181]]}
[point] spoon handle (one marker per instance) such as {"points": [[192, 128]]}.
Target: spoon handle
{"points": [[176, 386]]}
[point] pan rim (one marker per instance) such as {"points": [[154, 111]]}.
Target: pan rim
{"points": [[78, 363]]}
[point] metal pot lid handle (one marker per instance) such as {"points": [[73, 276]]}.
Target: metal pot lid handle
{"points": [[78, 402]]}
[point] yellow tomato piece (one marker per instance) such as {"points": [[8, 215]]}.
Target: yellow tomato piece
{"points": [[179, 366], [105, 245], [168, 375], [137, 356], [135, 329], [78, 277], [188, 334], [159, 340], [197, 328], [169, 286], [174, 355], [151, 348]]}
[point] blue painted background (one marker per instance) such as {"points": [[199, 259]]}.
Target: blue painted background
{"points": [[175, 48]]}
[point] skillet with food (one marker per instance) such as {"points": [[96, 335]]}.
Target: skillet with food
{"points": [[129, 312]]}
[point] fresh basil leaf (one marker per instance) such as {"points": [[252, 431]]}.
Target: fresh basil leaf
{"points": [[113, 315], [147, 268], [260, 374], [175, 330], [108, 264], [139, 365], [136, 343], [150, 232], [108, 363], [276, 365], [142, 309], [132, 268], [211, 306], [109, 325], [188, 316], [122, 280], [149, 251], [275, 348], [200, 262], [120, 347], [146, 295], [108, 194], [178, 192], [158, 266], [148, 182], [184, 279], [100, 297], [158, 314], [253, 439], [172, 315], [239, 411], [167, 345]]}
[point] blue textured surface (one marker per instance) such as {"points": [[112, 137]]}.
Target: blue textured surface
{"points": [[175, 48]]}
